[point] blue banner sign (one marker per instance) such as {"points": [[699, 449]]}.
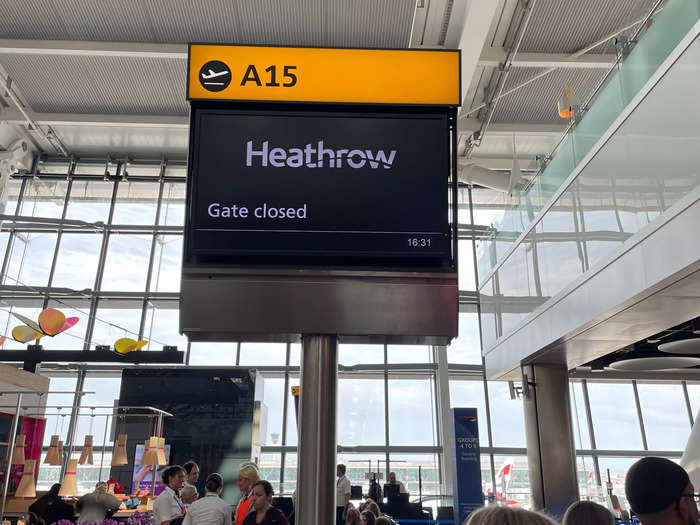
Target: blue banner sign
{"points": [[468, 495]]}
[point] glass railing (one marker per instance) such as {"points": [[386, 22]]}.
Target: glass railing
{"points": [[618, 90]]}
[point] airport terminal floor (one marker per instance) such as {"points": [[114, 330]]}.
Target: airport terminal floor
{"points": [[351, 262]]}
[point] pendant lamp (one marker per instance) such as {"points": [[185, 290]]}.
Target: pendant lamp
{"points": [[567, 104], [86, 454], [69, 486], [26, 488], [60, 452], [161, 451], [52, 456], [150, 452], [18, 452], [119, 455]]}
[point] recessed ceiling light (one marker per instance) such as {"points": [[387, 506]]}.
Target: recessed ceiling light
{"points": [[684, 346], [655, 363]]}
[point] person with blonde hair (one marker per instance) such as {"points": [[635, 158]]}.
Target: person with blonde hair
{"points": [[587, 513], [248, 476], [497, 515], [189, 495]]}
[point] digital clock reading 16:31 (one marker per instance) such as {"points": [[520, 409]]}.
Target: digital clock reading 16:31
{"points": [[419, 242]]}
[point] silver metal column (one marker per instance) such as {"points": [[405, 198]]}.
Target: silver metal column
{"points": [[10, 451], [317, 430], [445, 423], [549, 435]]}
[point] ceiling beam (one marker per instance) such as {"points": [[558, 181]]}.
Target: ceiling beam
{"points": [[12, 116], [78, 48], [470, 125], [475, 29], [494, 56]]}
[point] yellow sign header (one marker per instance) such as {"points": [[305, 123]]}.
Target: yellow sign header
{"points": [[304, 74]]}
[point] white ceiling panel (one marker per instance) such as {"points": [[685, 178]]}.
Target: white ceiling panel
{"points": [[85, 84]]}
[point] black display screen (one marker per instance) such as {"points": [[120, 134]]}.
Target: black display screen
{"points": [[318, 187]]}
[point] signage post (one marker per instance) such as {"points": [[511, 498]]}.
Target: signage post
{"points": [[467, 491], [317, 203]]}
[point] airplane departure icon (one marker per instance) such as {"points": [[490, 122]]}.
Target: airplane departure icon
{"points": [[213, 74]]}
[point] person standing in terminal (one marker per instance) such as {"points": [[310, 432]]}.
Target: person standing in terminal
{"points": [[167, 508], [660, 493], [263, 513], [392, 481], [342, 494], [211, 509], [248, 476], [192, 473]]}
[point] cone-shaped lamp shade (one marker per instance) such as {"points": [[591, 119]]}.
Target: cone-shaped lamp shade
{"points": [[567, 103], [18, 452], [26, 488], [161, 451], [69, 486], [52, 456], [60, 452], [86, 454], [150, 453], [119, 455]]}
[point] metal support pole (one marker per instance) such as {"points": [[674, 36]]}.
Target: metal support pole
{"points": [[73, 422], [104, 446], [317, 430], [10, 450]]}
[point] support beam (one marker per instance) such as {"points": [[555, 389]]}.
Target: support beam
{"points": [[494, 56], [475, 29], [551, 455], [93, 49], [13, 116], [470, 125]]}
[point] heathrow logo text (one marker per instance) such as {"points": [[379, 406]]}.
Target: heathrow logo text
{"points": [[316, 156]]}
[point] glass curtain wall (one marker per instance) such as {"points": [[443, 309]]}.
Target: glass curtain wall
{"points": [[109, 252]]}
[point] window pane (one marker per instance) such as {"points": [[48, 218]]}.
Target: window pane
{"points": [[467, 280], [618, 470], [270, 466], [116, 319], [694, 396], [587, 485], [507, 421], [89, 201], [31, 259], [488, 205], [292, 429], [172, 209], [263, 353], [290, 474], [411, 412], [9, 321], [578, 415], [415, 470], [295, 354], [665, 415], [77, 250], [273, 398], [12, 189], [466, 349], [357, 465], [167, 264], [361, 411], [58, 420], [213, 354], [126, 266], [136, 203], [360, 354], [614, 414], [470, 394], [517, 490], [44, 198], [408, 354], [106, 390], [161, 328]]}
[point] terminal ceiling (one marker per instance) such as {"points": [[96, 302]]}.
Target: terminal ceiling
{"points": [[109, 77]]}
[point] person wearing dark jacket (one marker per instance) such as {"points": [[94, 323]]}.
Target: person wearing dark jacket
{"points": [[263, 513], [51, 508]]}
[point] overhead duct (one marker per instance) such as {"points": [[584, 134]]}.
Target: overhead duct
{"points": [[471, 173]]}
